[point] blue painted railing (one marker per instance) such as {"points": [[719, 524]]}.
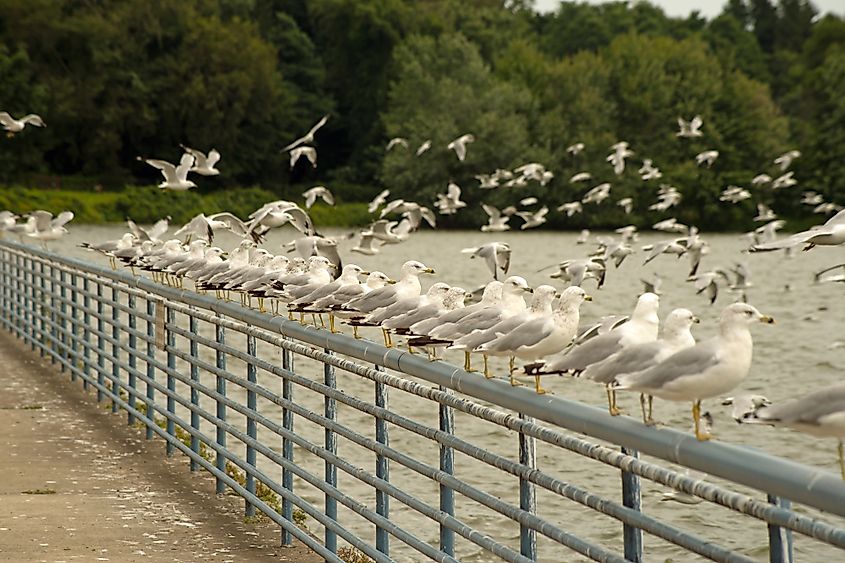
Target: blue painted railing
{"points": [[261, 403]]}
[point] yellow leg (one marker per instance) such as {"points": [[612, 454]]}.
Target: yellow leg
{"points": [[331, 324], [467, 361], [611, 403], [410, 349], [537, 388], [647, 419], [511, 370], [355, 332], [487, 373], [261, 305], [696, 416]]}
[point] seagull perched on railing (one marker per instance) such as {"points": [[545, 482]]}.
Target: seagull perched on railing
{"points": [[175, 177], [12, 125]]}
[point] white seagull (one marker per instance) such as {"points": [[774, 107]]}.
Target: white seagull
{"points": [[459, 145], [308, 152], [317, 191], [691, 128], [175, 177], [203, 164], [309, 137], [12, 125]]}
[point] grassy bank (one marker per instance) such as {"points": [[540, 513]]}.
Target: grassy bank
{"points": [[148, 204]]}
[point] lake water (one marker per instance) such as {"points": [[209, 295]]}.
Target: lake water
{"points": [[803, 350]]}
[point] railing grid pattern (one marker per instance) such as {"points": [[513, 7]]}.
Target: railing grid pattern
{"points": [[308, 425]]}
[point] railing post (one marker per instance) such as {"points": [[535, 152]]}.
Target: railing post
{"points": [[74, 323], [220, 462], [382, 467], [331, 446], [63, 336], [21, 296], [171, 367], [115, 355], [251, 427], [287, 444], [40, 305], [101, 343], [633, 537], [447, 465], [54, 325], [151, 370], [527, 493], [133, 360], [195, 395], [780, 539], [86, 332]]}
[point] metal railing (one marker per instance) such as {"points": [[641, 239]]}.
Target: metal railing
{"points": [[386, 452]]}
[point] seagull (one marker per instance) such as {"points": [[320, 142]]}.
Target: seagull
{"points": [[764, 213], [533, 219], [365, 245], [378, 201], [424, 147], [580, 177], [811, 198], [709, 282], [673, 246], [203, 165], [707, 158], [459, 145], [204, 227], [627, 204], [12, 125], [308, 152], [785, 160], [734, 194], [760, 179], [576, 271], [583, 236], [571, 208], [708, 369], [826, 208], [450, 202], [668, 196], [496, 255], [45, 227], [670, 225], [487, 181], [154, 233], [676, 336], [315, 192], [308, 139], [745, 406], [820, 413], [642, 327], [575, 149], [397, 141], [648, 171], [691, 128], [617, 158], [496, 220], [278, 213], [175, 177], [784, 181], [597, 194], [538, 337], [831, 233]]}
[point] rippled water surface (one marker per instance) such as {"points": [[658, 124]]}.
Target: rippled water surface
{"points": [[805, 349]]}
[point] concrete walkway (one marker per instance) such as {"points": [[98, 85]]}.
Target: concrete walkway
{"points": [[78, 484]]}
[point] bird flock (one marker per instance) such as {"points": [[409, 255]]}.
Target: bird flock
{"points": [[505, 317]]}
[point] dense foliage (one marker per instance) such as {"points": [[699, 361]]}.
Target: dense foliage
{"points": [[115, 80]]}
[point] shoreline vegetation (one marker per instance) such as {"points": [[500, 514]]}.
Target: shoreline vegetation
{"points": [[148, 204]]}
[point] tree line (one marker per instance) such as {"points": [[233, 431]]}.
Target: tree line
{"points": [[115, 80]]}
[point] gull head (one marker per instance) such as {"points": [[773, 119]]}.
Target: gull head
{"points": [[573, 296], [679, 321], [743, 313], [352, 271], [377, 279], [516, 285], [544, 294], [413, 267]]}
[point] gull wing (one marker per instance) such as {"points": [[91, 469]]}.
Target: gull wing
{"points": [[168, 170], [63, 218], [6, 119]]}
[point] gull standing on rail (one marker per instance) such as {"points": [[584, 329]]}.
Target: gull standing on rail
{"points": [[708, 369]]}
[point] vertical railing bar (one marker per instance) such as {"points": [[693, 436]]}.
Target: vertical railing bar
{"points": [[86, 331], [527, 492], [133, 358], [780, 539], [42, 302], [220, 461], [330, 405], [74, 321], [20, 296], [63, 339], [251, 426], [382, 466], [101, 343], [115, 327], [151, 370], [195, 396], [54, 325], [631, 497], [287, 444], [447, 465], [171, 381]]}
